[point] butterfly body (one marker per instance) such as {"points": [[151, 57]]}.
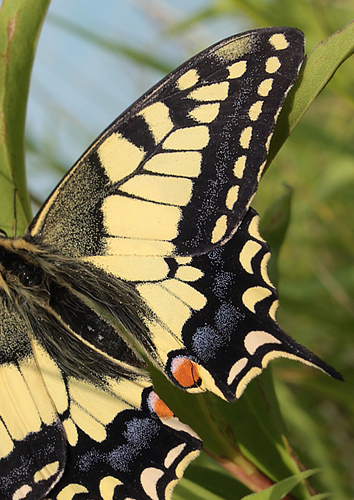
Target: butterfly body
{"points": [[147, 248]]}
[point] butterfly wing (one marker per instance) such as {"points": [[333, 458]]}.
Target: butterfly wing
{"points": [[171, 181], [32, 441], [178, 169], [62, 435]]}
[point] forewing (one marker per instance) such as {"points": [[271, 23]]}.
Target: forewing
{"points": [[174, 174]]}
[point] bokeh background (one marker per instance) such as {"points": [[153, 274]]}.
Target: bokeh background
{"points": [[95, 58]]}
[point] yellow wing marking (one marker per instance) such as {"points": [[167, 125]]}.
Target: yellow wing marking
{"points": [[119, 156], [107, 487], [92, 408], [235, 49], [143, 248], [188, 273], [265, 87], [189, 138], [272, 64], [254, 295], [249, 250], [205, 113], [173, 454], [239, 166], [264, 272], [232, 196], [69, 492], [253, 229], [24, 404], [70, 431], [236, 369], [279, 41], [129, 391], [168, 190], [6, 443], [148, 479], [142, 219], [46, 472], [131, 268], [256, 339], [52, 378], [273, 309], [180, 164], [255, 110], [185, 293], [212, 92], [187, 80], [237, 69], [245, 137], [21, 493], [219, 229], [157, 117], [168, 308], [251, 374]]}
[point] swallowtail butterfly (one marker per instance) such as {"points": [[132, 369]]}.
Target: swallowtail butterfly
{"points": [[148, 245]]}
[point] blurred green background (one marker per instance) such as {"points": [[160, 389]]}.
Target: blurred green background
{"points": [[95, 58]]}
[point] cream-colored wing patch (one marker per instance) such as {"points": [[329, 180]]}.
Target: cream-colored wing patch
{"points": [[245, 137], [107, 487], [253, 295], [248, 252], [189, 138], [142, 219], [136, 247], [161, 189], [272, 65], [69, 491], [188, 273], [149, 478], [219, 229], [236, 369], [205, 113], [119, 156], [212, 92], [239, 167], [181, 164], [232, 196], [237, 69], [46, 472], [19, 399], [157, 117], [265, 87], [255, 110], [187, 80], [132, 268], [279, 41], [256, 339], [52, 378]]}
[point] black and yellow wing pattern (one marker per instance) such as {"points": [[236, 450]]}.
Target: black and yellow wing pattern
{"points": [[148, 245]]}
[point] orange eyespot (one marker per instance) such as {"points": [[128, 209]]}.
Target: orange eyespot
{"points": [[185, 372], [158, 406]]}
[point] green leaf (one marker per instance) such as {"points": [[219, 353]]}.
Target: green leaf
{"points": [[20, 25], [279, 490], [187, 490], [317, 70]]}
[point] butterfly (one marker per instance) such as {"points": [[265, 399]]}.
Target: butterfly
{"points": [[148, 247]]}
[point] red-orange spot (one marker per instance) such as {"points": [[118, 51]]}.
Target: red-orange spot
{"points": [[185, 372], [158, 406]]}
